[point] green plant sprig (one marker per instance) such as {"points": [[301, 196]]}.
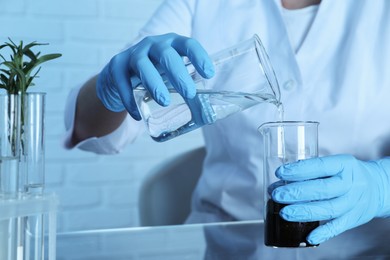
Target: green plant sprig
{"points": [[17, 73]]}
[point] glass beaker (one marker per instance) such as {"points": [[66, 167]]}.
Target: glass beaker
{"points": [[285, 142], [243, 77]]}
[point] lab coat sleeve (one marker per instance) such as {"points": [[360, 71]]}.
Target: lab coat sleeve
{"points": [[112, 143], [171, 16]]}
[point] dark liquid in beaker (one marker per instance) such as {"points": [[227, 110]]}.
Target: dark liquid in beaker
{"points": [[282, 233]]}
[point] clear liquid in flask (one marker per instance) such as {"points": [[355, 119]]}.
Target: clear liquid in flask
{"points": [[208, 106]]}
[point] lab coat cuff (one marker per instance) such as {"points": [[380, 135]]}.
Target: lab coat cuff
{"points": [[112, 143]]}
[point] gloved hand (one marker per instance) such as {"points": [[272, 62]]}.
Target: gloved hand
{"points": [[346, 191], [114, 87]]}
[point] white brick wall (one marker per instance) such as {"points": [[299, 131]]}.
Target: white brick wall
{"points": [[94, 191]]}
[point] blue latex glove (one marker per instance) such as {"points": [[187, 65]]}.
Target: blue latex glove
{"points": [[114, 85], [346, 191]]}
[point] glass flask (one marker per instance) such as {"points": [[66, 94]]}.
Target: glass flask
{"points": [[243, 77]]}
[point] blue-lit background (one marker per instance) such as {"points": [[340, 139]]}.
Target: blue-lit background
{"points": [[95, 191]]}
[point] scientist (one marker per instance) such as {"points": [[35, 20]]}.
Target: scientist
{"points": [[331, 59]]}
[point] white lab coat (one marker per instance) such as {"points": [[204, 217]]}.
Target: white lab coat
{"points": [[338, 77]]}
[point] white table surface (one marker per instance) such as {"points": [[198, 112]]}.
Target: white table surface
{"points": [[234, 240]]}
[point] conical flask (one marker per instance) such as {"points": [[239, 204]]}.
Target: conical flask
{"points": [[243, 77]]}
